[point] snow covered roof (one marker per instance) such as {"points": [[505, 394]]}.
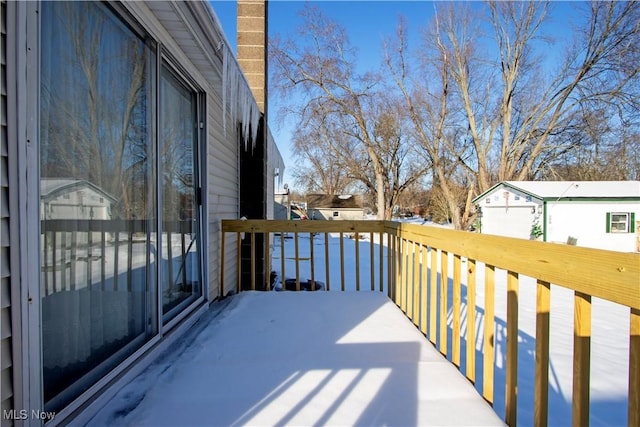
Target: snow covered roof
{"points": [[572, 189]]}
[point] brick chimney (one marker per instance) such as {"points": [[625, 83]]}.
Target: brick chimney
{"points": [[252, 47], [252, 57]]}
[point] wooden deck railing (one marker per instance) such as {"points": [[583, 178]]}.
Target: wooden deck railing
{"points": [[419, 266], [81, 253]]}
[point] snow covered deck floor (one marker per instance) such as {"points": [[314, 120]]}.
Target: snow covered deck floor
{"points": [[301, 358]]}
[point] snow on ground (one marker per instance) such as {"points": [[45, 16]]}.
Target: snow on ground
{"points": [[609, 344], [299, 358]]}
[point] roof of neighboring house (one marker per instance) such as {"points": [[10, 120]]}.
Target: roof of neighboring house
{"points": [[572, 189], [51, 187], [332, 201]]}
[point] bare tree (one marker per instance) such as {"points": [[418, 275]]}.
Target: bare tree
{"points": [[532, 113], [482, 108], [428, 107], [96, 127], [402, 167], [605, 149], [481, 121], [321, 169], [321, 65]]}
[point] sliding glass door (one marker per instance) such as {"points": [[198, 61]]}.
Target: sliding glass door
{"points": [[97, 196], [119, 206]]}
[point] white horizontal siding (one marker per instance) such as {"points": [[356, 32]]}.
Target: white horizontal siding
{"points": [[587, 222], [164, 25]]}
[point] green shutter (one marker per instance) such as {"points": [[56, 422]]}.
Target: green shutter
{"points": [[632, 226], [608, 222]]}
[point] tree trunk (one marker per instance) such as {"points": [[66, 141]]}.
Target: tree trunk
{"points": [[382, 211]]}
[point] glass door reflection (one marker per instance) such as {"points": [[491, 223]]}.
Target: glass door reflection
{"points": [[181, 279]]}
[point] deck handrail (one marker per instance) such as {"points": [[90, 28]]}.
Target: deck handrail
{"points": [[609, 275]]}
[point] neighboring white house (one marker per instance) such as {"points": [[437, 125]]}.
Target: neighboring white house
{"points": [[335, 207], [596, 214], [73, 199]]}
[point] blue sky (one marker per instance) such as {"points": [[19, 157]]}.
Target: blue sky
{"points": [[367, 23]]}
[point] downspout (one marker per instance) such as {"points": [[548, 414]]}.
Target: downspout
{"points": [[544, 220]]}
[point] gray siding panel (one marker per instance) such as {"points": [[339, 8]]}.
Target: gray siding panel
{"points": [[5, 280], [222, 191]]}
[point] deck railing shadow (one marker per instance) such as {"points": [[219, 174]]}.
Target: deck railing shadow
{"points": [[526, 352], [337, 370], [417, 257]]}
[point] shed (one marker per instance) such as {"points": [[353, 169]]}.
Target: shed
{"points": [[596, 214], [335, 207], [74, 199]]}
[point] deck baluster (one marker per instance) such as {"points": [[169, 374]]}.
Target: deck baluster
{"points": [[489, 333], [433, 295], [511, 389], [581, 358], [541, 388], [471, 320], [634, 368], [444, 308], [326, 260], [457, 300]]}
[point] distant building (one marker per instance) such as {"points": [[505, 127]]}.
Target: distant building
{"points": [[596, 214], [279, 211], [335, 207], [73, 199]]}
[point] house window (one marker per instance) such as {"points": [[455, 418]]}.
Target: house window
{"points": [[620, 222], [336, 213]]}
